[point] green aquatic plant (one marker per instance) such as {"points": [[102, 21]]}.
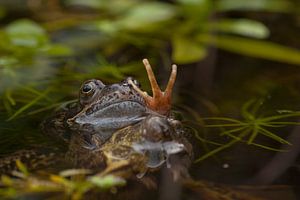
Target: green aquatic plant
{"points": [[26, 51], [72, 183], [33, 97], [123, 30], [247, 129], [23, 39], [189, 27]]}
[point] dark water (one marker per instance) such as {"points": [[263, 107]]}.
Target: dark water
{"points": [[219, 85]]}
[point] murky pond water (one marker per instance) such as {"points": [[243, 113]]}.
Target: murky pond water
{"points": [[241, 114]]}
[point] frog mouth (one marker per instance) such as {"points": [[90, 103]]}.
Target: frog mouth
{"points": [[107, 120], [115, 110], [127, 106]]}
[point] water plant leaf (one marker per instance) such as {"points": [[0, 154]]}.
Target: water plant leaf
{"points": [[221, 148], [7, 61], [186, 50], [107, 182], [22, 168], [9, 97], [61, 180], [87, 3], [6, 180], [255, 5], [73, 172], [244, 27], [26, 33], [249, 127], [28, 105], [273, 136], [146, 13], [57, 50], [255, 48]]}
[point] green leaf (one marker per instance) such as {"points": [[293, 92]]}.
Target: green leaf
{"points": [[74, 172], [107, 26], [255, 5], [8, 61], [22, 167], [6, 180], [24, 26], [28, 105], [147, 13], [187, 51], [26, 33], [61, 180], [107, 182], [57, 50], [115, 6], [192, 2], [244, 27], [255, 48], [86, 3], [195, 11]]}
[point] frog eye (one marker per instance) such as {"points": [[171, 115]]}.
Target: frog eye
{"points": [[88, 88]]}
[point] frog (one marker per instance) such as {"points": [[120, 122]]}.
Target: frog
{"points": [[120, 130], [118, 126]]}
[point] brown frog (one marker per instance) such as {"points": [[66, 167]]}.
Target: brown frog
{"points": [[118, 126], [119, 129], [123, 131]]}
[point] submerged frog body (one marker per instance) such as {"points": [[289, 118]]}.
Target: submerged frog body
{"points": [[118, 126]]}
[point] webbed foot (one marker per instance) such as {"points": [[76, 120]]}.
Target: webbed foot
{"points": [[161, 100]]}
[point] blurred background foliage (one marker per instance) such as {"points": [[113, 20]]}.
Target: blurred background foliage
{"points": [[45, 45]]}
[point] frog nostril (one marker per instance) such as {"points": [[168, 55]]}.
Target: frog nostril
{"points": [[99, 84]]}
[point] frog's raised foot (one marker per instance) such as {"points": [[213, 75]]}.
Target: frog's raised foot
{"points": [[161, 100]]}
